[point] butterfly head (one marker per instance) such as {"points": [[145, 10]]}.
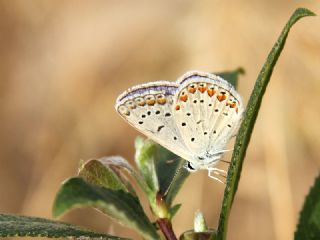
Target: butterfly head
{"points": [[204, 162]]}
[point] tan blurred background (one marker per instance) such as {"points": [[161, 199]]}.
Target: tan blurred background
{"points": [[63, 63]]}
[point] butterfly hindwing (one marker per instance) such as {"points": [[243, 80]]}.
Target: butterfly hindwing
{"points": [[207, 111]]}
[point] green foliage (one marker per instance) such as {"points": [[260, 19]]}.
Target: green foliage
{"points": [[173, 210], [246, 128], [168, 167], [232, 76], [162, 170], [308, 227], [21, 226], [145, 157], [102, 173], [120, 205]]}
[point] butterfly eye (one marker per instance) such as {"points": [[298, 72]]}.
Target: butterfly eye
{"points": [[190, 167], [124, 110], [161, 99], [140, 101], [150, 100]]}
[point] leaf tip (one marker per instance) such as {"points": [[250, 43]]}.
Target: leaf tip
{"points": [[241, 70], [304, 12]]}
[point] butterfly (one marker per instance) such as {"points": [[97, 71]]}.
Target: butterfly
{"points": [[194, 117]]}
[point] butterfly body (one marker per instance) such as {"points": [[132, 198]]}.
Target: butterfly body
{"points": [[193, 117]]}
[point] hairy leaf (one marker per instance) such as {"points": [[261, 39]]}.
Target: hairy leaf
{"points": [[145, 160], [107, 172], [95, 172], [308, 227], [22, 226], [118, 204]]}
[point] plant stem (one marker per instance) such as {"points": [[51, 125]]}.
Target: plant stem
{"points": [[247, 125], [166, 228]]}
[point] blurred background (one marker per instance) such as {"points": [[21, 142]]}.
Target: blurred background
{"points": [[63, 63]]}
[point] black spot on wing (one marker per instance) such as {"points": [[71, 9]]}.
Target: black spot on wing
{"points": [[159, 128]]}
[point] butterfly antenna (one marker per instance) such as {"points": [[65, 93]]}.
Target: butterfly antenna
{"points": [[225, 161]]}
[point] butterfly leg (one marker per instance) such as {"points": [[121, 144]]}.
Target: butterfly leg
{"points": [[217, 171], [210, 171], [215, 178]]}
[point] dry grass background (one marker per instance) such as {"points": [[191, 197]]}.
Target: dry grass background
{"points": [[63, 63]]}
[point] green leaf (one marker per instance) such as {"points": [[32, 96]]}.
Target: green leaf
{"points": [[22, 226], [145, 160], [173, 210], [167, 165], [162, 170], [95, 172], [176, 183], [107, 172], [120, 205], [171, 173], [250, 116], [232, 76], [308, 227]]}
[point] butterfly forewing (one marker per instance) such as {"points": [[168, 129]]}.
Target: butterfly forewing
{"points": [[148, 108]]}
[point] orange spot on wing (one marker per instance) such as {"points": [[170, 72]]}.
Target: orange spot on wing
{"points": [[232, 105], [151, 102], [177, 107], [237, 110], [184, 98], [162, 101], [202, 89], [211, 92], [192, 90], [221, 97]]}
